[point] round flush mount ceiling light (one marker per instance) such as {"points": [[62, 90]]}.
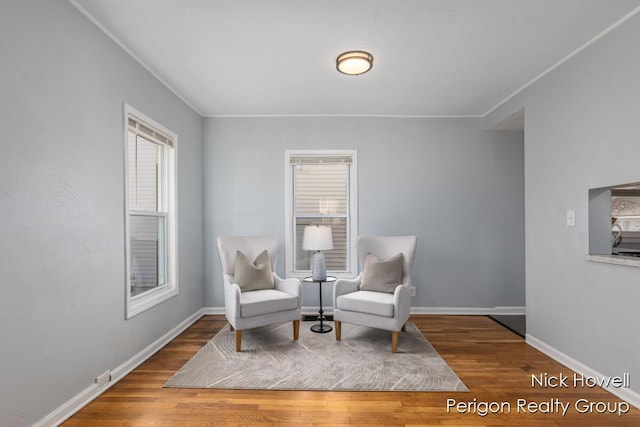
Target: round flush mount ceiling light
{"points": [[354, 62]]}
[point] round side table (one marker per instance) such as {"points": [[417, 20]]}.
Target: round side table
{"points": [[320, 327]]}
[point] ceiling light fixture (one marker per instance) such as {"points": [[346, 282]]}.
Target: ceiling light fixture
{"points": [[354, 62]]}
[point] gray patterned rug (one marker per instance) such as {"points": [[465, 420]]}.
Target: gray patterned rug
{"points": [[362, 361]]}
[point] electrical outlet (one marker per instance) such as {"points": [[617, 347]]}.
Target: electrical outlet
{"points": [[104, 378], [413, 291]]}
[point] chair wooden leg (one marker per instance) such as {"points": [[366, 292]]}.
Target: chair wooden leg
{"points": [[296, 329], [338, 325], [404, 328], [394, 341], [238, 340]]}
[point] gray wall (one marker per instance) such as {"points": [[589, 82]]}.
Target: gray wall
{"points": [[581, 132], [62, 85], [457, 187]]}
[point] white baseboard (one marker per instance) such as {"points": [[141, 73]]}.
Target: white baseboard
{"points": [[76, 403], [212, 310], [220, 310], [471, 311], [625, 394], [516, 310]]}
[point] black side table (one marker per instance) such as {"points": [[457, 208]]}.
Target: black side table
{"points": [[320, 327]]}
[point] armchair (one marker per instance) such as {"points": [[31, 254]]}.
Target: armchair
{"points": [[382, 310], [254, 308]]}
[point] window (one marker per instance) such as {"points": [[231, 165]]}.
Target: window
{"points": [[321, 189], [625, 207], [614, 220], [625, 219], [150, 225]]}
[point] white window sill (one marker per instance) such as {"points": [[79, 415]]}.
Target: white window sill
{"points": [[149, 299], [339, 275], [615, 259]]}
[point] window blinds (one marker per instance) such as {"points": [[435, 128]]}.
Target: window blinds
{"points": [[310, 159], [321, 196], [138, 127]]}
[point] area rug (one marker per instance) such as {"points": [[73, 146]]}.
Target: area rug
{"points": [[362, 361]]}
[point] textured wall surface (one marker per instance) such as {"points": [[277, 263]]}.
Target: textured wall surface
{"points": [[581, 132], [456, 186], [62, 292]]}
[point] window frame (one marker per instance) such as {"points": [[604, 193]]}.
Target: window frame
{"points": [[137, 304], [351, 216]]}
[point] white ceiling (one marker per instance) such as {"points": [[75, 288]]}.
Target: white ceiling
{"points": [[277, 57]]}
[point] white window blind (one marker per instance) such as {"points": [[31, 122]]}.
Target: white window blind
{"points": [[148, 210], [321, 194], [151, 212], [138, 127]]}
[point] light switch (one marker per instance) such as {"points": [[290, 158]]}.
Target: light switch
{"points": [[571, 218]]}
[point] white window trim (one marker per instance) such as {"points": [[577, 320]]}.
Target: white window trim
{"points": [[353, 211], [135, 305]]}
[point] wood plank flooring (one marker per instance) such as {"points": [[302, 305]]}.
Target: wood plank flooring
{"points": [[494, 363]]}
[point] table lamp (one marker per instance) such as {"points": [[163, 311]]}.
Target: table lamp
{"points": [[318, 238]]}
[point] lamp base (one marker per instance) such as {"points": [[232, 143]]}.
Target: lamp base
{"points": [[319, 267]]}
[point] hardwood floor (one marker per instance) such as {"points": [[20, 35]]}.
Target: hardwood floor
{"points": [[494, 363]]}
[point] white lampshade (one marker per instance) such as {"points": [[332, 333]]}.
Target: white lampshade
{"points": [[317, 238]]}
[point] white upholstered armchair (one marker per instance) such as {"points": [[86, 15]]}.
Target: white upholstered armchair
{"points": [[378, 305], [254, 295]]}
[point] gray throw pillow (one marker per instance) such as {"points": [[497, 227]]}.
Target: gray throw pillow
{"points": [[382, 275], [253, 276]]}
